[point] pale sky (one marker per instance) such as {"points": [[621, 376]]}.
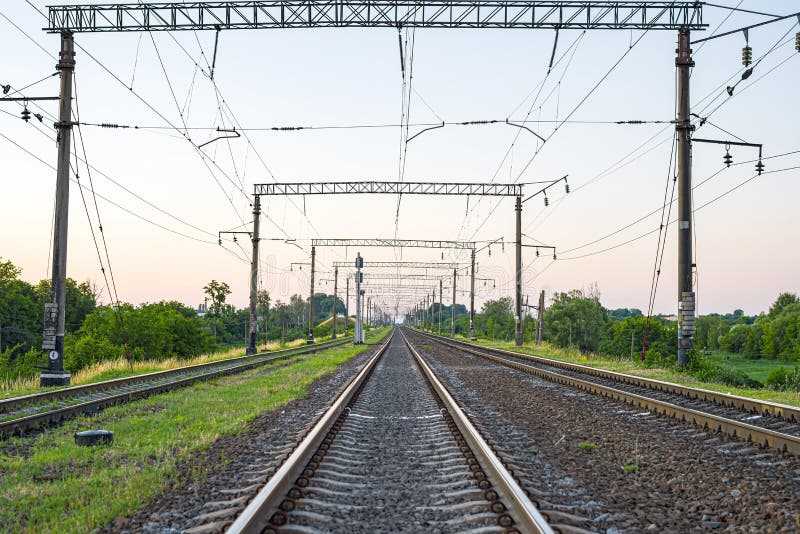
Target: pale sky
{"points": [[746, 241]]}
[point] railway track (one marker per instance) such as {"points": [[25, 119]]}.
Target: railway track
{"points": [[767, 424], [19, 415], [394, 452]]}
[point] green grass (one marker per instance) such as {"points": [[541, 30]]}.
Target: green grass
{"points": [[625, 365], [48, 484], [587, 445], [756, 369], [120, 368]]}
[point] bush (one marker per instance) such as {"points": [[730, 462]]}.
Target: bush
{"points": [[783, 379]]}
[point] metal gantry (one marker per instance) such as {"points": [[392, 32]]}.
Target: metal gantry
{"points": [[388, 188], [274, 14], [403, 265], [393, 243]]}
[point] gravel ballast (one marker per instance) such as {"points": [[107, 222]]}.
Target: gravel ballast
{"points": [[626, 469]]}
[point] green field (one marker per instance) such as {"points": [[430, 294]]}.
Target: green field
{"points": [[756, 369]]}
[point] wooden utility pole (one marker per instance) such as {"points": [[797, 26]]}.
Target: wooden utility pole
{"points": [[55, 310]]}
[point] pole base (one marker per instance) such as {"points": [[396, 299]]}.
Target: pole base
{"points": [[54, 378], [518, 339], [333, 336], [310, 340], [250, 351]]}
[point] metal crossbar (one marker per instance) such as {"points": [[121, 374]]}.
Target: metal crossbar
{"points": [[414, 243], [405, 188], [249, 14], [402, 265]]}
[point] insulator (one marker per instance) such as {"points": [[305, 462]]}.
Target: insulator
{"points": [[727, 158], [566, 188], [797, 42], [7, 88], [235, 240], [39, 116], [26, 114], [759, 167], [490, 251], [546, 201], [554, 256], [537, 252], [220, 242], [747, 56]]}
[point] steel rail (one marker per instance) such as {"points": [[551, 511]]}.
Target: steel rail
{"points": [[254, 518], [528, 517], [762, 436], [726, 400], [21, 425]]}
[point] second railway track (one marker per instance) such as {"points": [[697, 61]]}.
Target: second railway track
{"points": [[393, 453], [766, 424], [19, 415]]}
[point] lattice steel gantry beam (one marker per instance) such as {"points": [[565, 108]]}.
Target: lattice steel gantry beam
{"points": [[273, 14], [388, 188], [412, 243], [403, 265]]}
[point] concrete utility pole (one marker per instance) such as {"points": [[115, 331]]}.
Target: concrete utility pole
{"points": [[310, 340], [333, 312], [55, 310], [251, 343], [540, 319], [346, 305], [472, 299], [441, 298], [453, 308], [518, 303], [358, 328], [683, 129]]}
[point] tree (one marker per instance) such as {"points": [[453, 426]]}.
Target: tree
{"points": [[218, 292], [577, 318], [783, 300]]}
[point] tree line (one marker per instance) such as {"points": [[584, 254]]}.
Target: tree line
{"points": [[149, 331]]}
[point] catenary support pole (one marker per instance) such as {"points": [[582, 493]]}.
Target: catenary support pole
{"points": [[453, 307], [518, 269], [540, 319], [310, 340], [358, 327], [346, 305], [335, 296], [441, 298], [251, 342], [472, 299], [683, 129], [55, 310]]}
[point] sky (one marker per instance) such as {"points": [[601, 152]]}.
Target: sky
{"points": [[162, 201]]}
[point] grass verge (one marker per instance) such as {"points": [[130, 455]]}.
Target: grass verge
{"points": [[625, 365], [120, 368], [48, 484]]}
